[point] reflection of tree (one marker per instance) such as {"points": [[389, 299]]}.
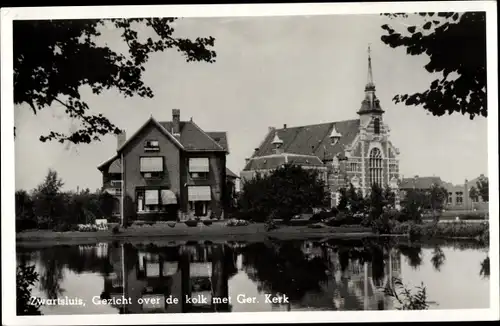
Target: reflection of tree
{"points": [[438, 258], [285, 269], [52, 273], [413, 255], [485, 267]]}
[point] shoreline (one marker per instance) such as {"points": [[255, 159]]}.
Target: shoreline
{"points": [[249, 233]]}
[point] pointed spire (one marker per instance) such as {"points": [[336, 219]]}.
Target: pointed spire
{"points": [[369, 83], [371, 103]]}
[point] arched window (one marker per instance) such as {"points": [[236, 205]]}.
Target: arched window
{"points": [[375, 166], [376, 125]]}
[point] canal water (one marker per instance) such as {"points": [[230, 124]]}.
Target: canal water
{"points": [[175, 277]]}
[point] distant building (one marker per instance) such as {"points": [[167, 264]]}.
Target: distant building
{"points": [[356, 152], [167, 168], [458, 195]]}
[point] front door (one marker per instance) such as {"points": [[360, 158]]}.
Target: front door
{"points": [[199, 208]]}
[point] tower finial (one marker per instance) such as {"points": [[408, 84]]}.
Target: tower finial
{"points": [[369, 82]]}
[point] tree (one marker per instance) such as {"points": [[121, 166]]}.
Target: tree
{"points": [[48, 200], [287, 191], [474, 194], [483, 187], [456, 46], [62, 56], [437, 198]]}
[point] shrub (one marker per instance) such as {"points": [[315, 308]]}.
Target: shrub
{"points": [[406, 299], [87, 227], [271, 225], [235, 222], [207, 222], [316, 226], [171, 224], [115, 229], [191, 223]]}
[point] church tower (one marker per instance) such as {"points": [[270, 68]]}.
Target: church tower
{"points": [[370, 107]]}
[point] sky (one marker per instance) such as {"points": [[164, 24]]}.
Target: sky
{"points": [[269, 71]]}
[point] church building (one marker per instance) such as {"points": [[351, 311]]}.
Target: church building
{"points": [[357, 151]]}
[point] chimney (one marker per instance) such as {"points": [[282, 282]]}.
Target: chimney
{"points": [[176, 120], [284, 126], [120, 139]]}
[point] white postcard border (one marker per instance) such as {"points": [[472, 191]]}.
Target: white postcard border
{"points": [[8, 165]]}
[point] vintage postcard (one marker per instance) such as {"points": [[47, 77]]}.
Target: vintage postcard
{"points": [[249, 163]]}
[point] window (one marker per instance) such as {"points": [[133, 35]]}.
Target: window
{"points": [[353, 167], [460, 198], [199, 198], [154, 200], [450, 198], [375, 166], [151, 146], [199, 168], [151, 167], [376, 126], [393, 167]]}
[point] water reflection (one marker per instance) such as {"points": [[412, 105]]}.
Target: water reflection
{"points": [[326, 275]]}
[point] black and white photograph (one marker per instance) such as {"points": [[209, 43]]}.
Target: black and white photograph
{"points": [[255, 163]]}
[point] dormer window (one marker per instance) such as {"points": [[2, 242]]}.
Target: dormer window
{"points": [[151, 146], [335, 136]]}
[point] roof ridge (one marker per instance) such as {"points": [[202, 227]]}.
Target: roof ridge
{"points": [[204, 132], [317, 124]]}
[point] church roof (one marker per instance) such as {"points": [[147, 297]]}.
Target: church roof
{"points": [[274, 161], [311, 139]]}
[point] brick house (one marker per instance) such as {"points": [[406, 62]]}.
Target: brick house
{"points": [[168, 171], [357, 151], [458, 195]]}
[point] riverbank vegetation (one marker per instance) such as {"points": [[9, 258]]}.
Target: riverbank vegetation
{"points": [[47, 207]]}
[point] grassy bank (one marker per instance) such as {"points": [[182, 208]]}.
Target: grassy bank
{"points": [[451, 230], [253, 232]]}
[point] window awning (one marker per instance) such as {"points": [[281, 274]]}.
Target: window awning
{"points": [[198, 165], [168, 197], [199, 193]]}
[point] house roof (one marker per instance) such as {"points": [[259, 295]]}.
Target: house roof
{"points": [[231, 174], [274, 161], [311, 139], [420, 182], [192, 138]]}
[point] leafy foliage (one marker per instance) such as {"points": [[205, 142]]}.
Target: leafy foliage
{"points": [[48, 207], [64, 55], [406, 299], [474, 194], [483, 187], [485, 267], [26, 277], [456, 46], [287, 191]]}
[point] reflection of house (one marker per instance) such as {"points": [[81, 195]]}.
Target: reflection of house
{"points": [[166, 167], [354, 151], [171, 272]]}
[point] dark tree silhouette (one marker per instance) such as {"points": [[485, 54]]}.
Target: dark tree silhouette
{"points": [[61, 56], [483, 187], [456, 46]]}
